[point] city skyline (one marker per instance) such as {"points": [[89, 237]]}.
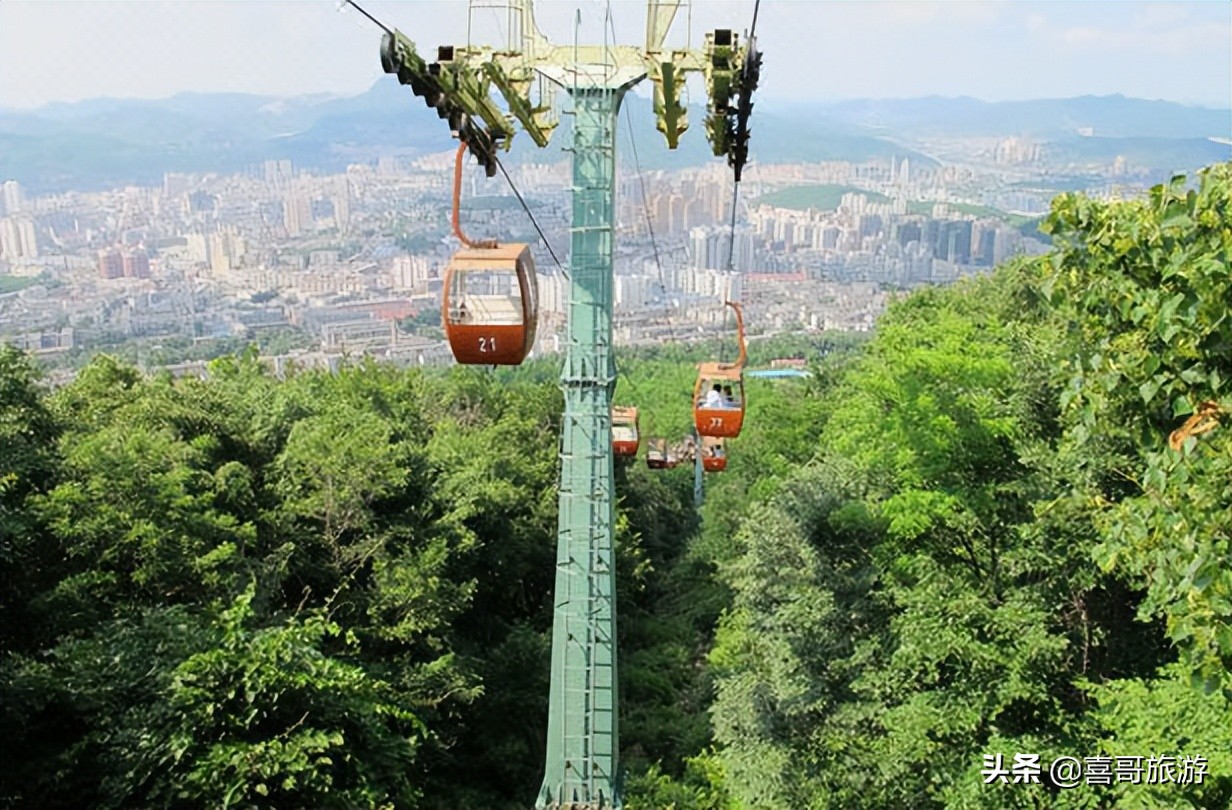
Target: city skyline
{"points": [[989, 49]]}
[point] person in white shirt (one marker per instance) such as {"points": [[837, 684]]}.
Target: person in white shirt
{"points": [[714, 397]]}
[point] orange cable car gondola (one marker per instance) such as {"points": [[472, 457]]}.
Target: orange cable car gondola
{"points": [[718, 397], [714, 454], [659, 456], [490, 301], [626, 436]]}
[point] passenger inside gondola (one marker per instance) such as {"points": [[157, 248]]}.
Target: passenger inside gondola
{"points": [[719, 402]]}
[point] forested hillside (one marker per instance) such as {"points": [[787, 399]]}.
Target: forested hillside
{"points": [[969, 535]]}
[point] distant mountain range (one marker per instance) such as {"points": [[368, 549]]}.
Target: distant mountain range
{"points": [[106, 143], [1107, 117]]}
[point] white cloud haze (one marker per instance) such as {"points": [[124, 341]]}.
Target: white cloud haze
{"points": [[63, 50]]}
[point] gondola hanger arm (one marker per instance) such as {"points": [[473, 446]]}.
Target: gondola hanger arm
{"points": [[457, 199], [739, 364]]}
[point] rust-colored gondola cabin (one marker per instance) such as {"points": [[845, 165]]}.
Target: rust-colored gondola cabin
{"points": [[718, 397], [714, 454], [715, 412], [626, 437], [490, 305], [659, 456]]}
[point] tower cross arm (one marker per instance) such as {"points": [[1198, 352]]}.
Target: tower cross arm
{"points": [[458, 85], [514, 84]]}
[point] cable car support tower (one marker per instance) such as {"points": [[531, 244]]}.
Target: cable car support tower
{"points": [[582, 762]]}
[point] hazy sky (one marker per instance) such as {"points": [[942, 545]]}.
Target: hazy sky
{"points": [[65, 50]]}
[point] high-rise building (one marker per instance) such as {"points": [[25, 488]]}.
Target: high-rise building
{"points": [[13, 199], [721, 285], [342, 205], [1007, 243], [10, 242], [197, 248], [632, 292], [699, 246], [27, 237], [18, 239], [296, 214], [110, 263], [278, 172], [136, 263], [906, 233], [983, 244], [932, 236], [410, 273], [220, 257], [553, 293], [201, 202], [868, 224], [957, 242]]}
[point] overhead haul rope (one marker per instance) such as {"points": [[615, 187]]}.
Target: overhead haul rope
{"points": [[641, 181], [526, 208], [491, 243], [731, 239], [636, 391], [731, 234], [379, 24], [654, 244]]}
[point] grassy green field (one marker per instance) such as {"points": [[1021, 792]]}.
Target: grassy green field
{"points": [[822, 197], [925, 207], [10, 284]]}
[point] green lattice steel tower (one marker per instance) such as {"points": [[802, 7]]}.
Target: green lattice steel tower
{"points": [[582, 749], [582, 763]]}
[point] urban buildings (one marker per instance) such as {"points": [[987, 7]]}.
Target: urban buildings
{"points": [[352, 261]]}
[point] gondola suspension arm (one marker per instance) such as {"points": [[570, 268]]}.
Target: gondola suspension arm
{"points": [[739, 364], [457, 199]]}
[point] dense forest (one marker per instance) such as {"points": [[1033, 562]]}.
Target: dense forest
{"points": [[1002, 524]]}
